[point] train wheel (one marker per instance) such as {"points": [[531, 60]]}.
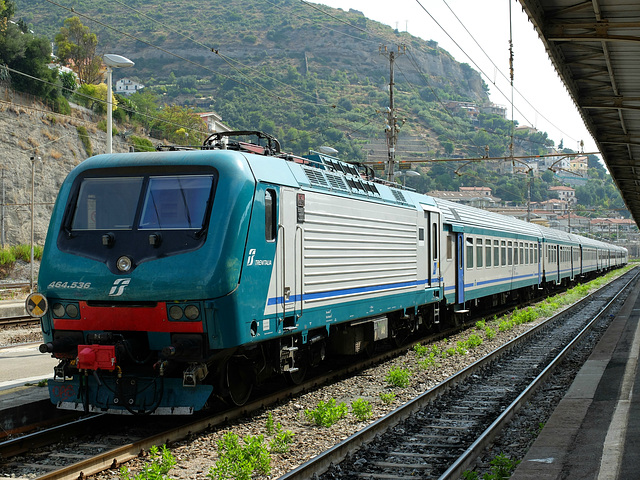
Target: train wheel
{"points": [[238, 382], [297, 377]]}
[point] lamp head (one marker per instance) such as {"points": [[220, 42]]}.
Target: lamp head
{"points": [[116, 61]]}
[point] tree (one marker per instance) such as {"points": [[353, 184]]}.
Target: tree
{"points": [[38, 78], [180, 125], [27, 56], [68, 80], [95, 97], [77, 49], [145, 104]]}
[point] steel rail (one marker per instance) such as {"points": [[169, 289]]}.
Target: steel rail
{"points": [[18, 320], [475, 450], [14, 286], [336, 454], [119, 455]]}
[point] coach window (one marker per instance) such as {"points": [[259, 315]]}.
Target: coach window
{"points": [[478, 252], [496, 253], [526, 253], [515, 253], [503, 252], [521, 253], [270, 217], [469, 252], [487, 251], [449, 247], [509, 253]]}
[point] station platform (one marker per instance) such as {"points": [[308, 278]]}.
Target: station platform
{"points": [[24, 401], [12, 308], [594, 433], [24, 398]]}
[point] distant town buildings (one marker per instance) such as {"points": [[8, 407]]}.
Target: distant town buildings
{"points": [[480, 197]]}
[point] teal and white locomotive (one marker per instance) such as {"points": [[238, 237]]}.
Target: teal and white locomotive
{"points": [[172, 277]]}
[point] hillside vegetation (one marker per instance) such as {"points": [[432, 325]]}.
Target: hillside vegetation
{"points": [[308, 74]]}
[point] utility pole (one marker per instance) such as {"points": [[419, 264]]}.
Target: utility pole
{"points": [[391, 127], [3, 204], [529, 180]]}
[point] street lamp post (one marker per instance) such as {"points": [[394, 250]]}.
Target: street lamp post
{"points": [[112, 61]]}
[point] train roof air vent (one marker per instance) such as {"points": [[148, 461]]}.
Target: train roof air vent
{"points": [[399, 196], [336, 182], [316, 177]]}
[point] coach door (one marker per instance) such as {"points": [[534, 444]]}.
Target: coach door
{"points": [[460, 268], [539, 257], [289, 258], [433, 247]]}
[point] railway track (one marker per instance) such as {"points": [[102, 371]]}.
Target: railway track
{"points": [[18, 321], [78, 458], [14, 286], [442, 432]]}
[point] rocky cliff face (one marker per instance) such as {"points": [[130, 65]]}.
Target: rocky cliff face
{"points": [[29, 130]]}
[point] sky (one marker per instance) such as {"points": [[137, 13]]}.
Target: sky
{"points": [[540, 98]]}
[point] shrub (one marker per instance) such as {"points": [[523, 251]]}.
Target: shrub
{"points": [[141, 144], [23, 252], [398, 377], [282, 440], [61, 105], [327, 414], [237, 461], [84, 138], [361, 409], [270, 425], [161, 463], [387, 397], [474, 341], [7, 257]]}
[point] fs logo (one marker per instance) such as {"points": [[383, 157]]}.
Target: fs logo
{"points": [[252, 253], [118, 287]]}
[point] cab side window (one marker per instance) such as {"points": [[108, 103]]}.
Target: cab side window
{"points": [[270, 215]]}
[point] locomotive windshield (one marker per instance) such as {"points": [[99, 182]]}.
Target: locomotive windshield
{"points": [[169, 202], [176, 202], [107, 203]]}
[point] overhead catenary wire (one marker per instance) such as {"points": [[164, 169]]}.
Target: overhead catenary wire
{"points": [[500, 71], [425, 77]]}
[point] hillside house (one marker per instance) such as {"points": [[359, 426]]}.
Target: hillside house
{"points": [[566, 194], [127, 86], [214, 122]]}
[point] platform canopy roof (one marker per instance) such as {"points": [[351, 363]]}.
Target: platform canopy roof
{"points": [[595, 46]]}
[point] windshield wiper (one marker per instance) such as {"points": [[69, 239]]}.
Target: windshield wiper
{"points": [[184, 201]]}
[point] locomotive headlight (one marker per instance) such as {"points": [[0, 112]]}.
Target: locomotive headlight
{"points": [[191, 312], [124, 263], [175, 312], [58, 310], [72, 310]]}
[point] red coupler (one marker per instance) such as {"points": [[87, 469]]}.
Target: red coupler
{"points": [[96, 357]]}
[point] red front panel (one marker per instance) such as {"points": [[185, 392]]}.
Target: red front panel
{"points": [[146, 319]]}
